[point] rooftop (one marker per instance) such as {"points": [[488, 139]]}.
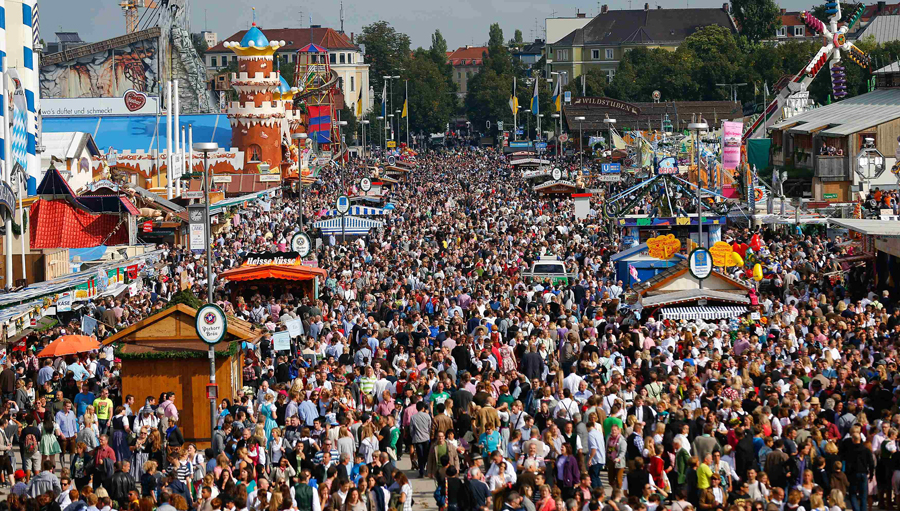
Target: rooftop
{"points": [[884, 28], [467, 56], [68, 37], [296, 38], [848, 116], [650, 26]]}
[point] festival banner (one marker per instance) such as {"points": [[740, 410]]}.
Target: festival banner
{"points": [[731, 141]]}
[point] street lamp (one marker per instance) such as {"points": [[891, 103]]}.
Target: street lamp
{"points": [[610, 125], [206, 148], [556, 116], [389, 126], [390, 79], [870, 164], [697, 128], [381, 118], [397, 135], [580, 120], [364, 123], [300, 140]]}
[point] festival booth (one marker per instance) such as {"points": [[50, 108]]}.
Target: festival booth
{"points": [[675, 293], [644, 265], [878, 249], [274, 273], [164, 352], [347, 225], [398, 172]]}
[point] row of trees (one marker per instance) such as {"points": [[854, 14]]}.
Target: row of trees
{"points": [[712, 55]]}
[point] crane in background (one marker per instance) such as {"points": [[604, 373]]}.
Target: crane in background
{"points": [[130, 9]]}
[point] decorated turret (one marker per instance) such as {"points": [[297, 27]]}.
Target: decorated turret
{"points": [[256, 117]]}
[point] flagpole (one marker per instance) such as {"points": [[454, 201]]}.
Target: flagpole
{"points": [[765, 107], [515, 112], [406, 105]]}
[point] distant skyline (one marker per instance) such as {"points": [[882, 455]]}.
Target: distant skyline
{"points": [[465, 22]]}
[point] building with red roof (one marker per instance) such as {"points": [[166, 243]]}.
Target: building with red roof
{"points": [[466, 62]]}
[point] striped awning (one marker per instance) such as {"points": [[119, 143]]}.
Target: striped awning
{"points": [[704, 313], [359, 211], [353, 225]]}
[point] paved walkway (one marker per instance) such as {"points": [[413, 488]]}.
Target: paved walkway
{"points": [[423, 489]]}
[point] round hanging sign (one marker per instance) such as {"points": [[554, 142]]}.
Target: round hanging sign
{"points": [[211, 324]]}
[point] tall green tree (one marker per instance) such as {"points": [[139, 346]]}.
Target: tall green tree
{"points": [[387, 51], [719, 60], [756, 19], [438, 50], [431, 95]]}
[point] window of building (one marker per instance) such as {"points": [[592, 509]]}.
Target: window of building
{"points": [[458, 76], [213, 62], [799, 31], [343, 58], [595, 54], [352, 88], [562, 54], [468, 75], [255, 152], [349, 58], [334, 58], [782, 32], [610, 74], [609, 54], [293, 59], [224, 60]]}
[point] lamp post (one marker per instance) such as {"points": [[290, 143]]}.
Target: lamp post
{"points": [[870, 165], [206, 148], [389, 127], [697, 128], [556, 116], [300, 140], [381, 118], [390, 79], [398, 112], [364, 123], [580, 120], [610, 125]]}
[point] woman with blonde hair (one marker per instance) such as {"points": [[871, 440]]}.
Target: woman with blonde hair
{"points": [[836, 500], [345, 444], [369, 443]]}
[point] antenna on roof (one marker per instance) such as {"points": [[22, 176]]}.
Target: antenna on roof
{"points": [[254, 14], [342, 16]]}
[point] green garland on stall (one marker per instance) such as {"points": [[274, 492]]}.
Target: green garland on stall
{"points": [[233, 348], [16, 228]]}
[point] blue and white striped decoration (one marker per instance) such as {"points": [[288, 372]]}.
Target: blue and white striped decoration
{"points": [[359, 211], [2, 77], [353, 225], [30, 83], [707, 313]]}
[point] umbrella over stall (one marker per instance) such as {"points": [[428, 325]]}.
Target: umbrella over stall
{"points": [[69, 345]]}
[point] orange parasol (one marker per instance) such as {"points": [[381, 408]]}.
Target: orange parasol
{"points": [[69, 345]]}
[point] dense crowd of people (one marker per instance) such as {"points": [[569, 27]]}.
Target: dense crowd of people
{"points": [[427, 343]]}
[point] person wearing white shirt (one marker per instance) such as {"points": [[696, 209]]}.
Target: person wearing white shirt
{"points": [[572, 382], [596, 453], [496, 460], [567, 404]]}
